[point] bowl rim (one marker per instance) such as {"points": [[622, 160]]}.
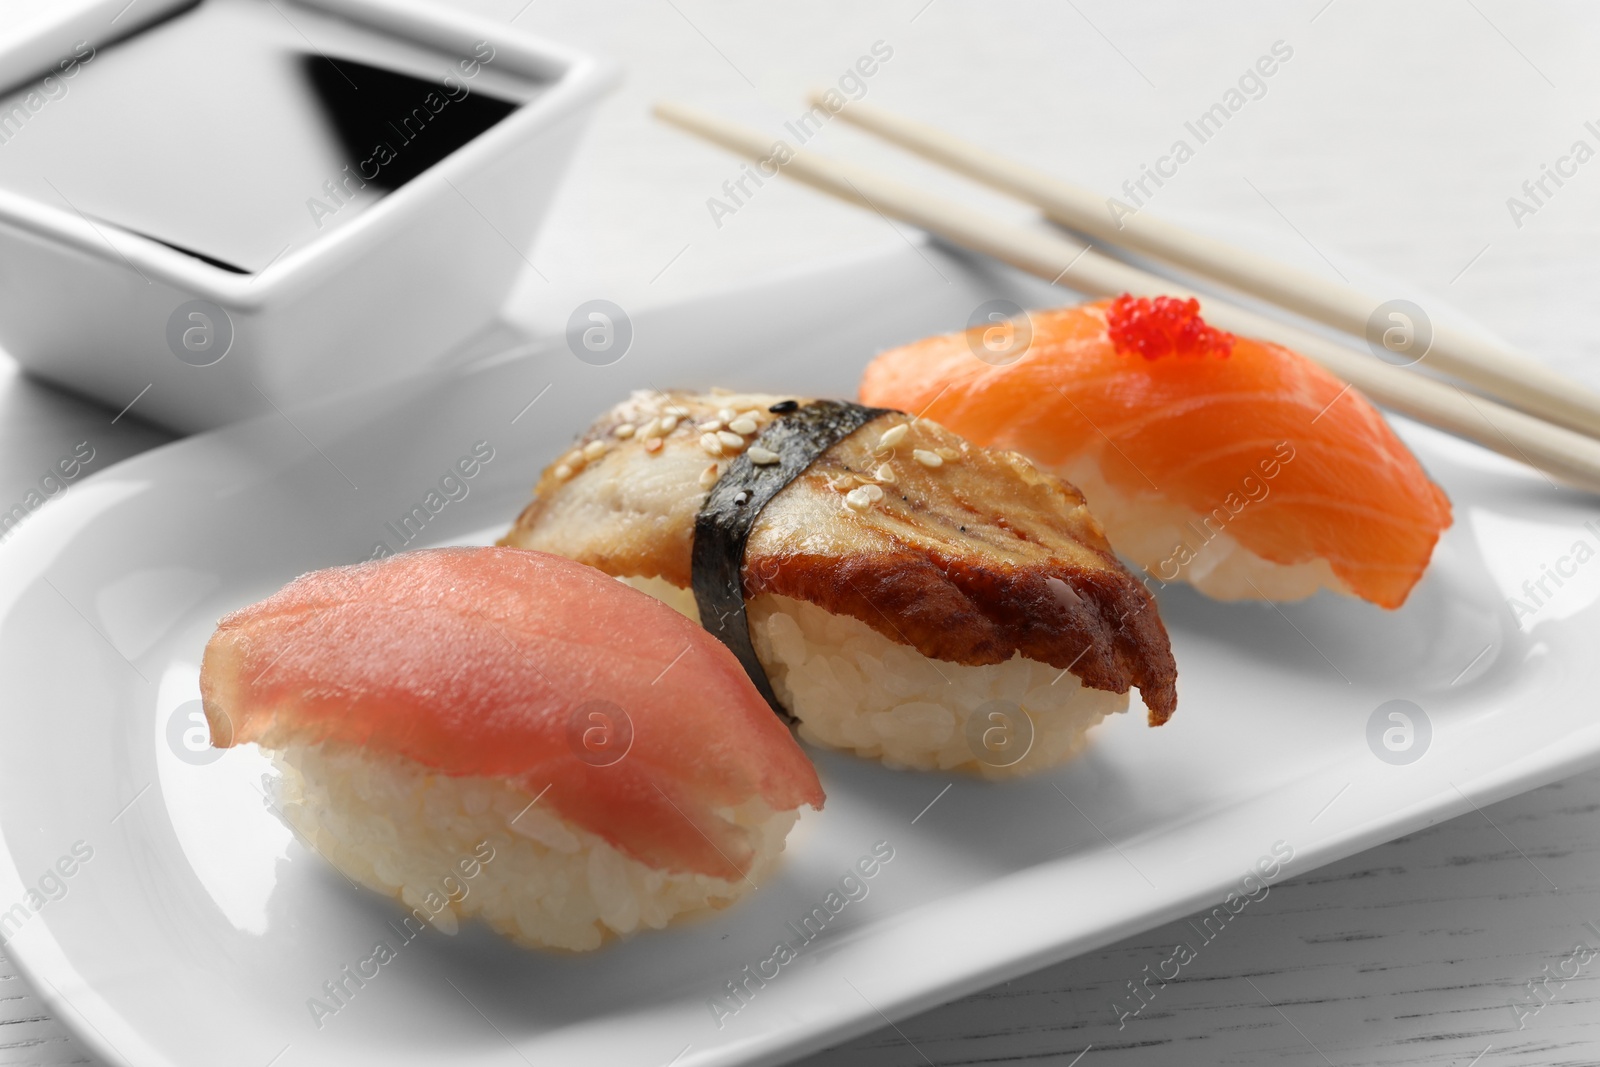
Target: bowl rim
{"points": [[575, 79]]}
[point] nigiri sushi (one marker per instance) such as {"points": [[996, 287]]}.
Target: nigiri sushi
{"points": [[894, 588], [599, 763], [1235, 465]]}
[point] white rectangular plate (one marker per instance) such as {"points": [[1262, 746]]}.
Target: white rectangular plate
{"points": [[198, 929]]}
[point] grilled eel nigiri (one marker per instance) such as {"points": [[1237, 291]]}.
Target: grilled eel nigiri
{"points": [[902, 593]]}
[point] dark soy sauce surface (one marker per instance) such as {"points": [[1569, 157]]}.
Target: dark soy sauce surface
{"points": [[218, 133], [419, 122]]}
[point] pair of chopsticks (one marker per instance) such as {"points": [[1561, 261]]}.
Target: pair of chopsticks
{"points": [[1521, 409]]}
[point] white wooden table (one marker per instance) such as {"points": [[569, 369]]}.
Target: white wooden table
{"points": [[1392, 136]]}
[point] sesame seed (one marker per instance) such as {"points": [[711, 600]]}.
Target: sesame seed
{"points": [[730, 439], [710, 427], [744, 425], [893, 436], [653, 445], [594, 449], [949, 455], [625, 431], [668, 424], [563, 472], [708, 477], [873, 492], [783, 407], [573, 459], [927, 459], [651, 428], [842, 483], [726, 414], [762, 457], [742, 497], [884, 473], [711, 443], [857, 499], [677, 410]]}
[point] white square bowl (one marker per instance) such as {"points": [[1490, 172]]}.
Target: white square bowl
{"points": [[106, 311]]}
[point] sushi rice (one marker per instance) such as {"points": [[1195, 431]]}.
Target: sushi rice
{"points": [[1156, 533], [853, 689], [396, 827]]}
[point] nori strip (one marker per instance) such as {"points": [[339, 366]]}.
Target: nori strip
{"points": [[731, 508]]}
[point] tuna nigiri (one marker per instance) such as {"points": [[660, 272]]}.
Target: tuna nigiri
{"points": [[1235, 465], [903, 594], [601, 763]]}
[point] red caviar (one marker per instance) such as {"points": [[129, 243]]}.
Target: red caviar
{"points": [[1164, 326]]}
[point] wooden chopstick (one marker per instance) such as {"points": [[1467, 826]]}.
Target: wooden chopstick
{"points": [[1557, 451], [1502, 372]]}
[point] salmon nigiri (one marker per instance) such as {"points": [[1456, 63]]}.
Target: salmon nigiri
{"points": [[1233, 464], [505, 733]]}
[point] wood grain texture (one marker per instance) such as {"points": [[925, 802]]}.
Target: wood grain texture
{"points": [[28, 1035]]}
